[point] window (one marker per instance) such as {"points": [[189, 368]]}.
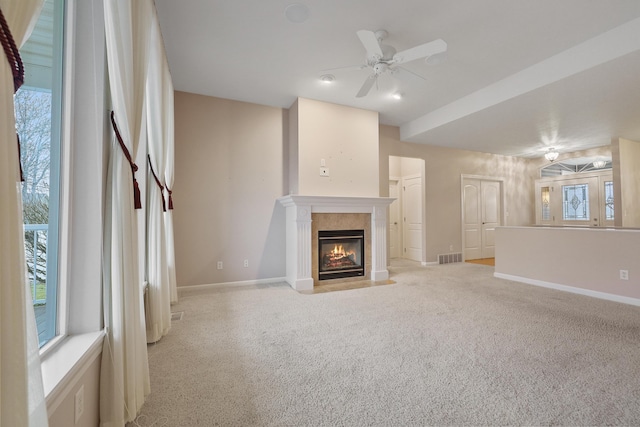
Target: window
{"points": [[546, 212], [575, 202], [38, 118], [577, 199], [608, 200]]}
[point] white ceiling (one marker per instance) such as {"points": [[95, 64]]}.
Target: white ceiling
{"points": [[519, 75]]}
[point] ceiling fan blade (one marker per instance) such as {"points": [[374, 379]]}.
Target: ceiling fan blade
{"points": [[406, 74], [421, 51], [366, 86], [348, 67], [371, 44]]}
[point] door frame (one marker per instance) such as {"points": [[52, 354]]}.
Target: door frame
{"points": [[400, 229], [503, 211], [422, 173]]}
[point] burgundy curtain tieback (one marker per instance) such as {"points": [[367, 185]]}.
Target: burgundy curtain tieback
{"points": [[170, 198], [17, 67], [136, 189], [160, 186], [12, 53]]}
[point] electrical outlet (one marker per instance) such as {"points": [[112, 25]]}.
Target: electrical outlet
{"points": [[450, 247], [246, 263], [624, 274], [79, 403], [219, 265]]}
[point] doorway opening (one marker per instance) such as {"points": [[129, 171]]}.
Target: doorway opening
{"points": [[406, 213]]}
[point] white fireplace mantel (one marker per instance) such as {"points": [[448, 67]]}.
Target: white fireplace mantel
{"points": [[298, 231]]}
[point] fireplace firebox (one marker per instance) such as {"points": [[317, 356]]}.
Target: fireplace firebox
{"points": [[340, 254]]}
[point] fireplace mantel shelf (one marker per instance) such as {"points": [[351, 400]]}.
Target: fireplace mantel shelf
{"points": [[299, 209], [336, 204]]}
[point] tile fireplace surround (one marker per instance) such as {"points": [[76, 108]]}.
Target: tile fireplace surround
{"points": [[298, 231]]}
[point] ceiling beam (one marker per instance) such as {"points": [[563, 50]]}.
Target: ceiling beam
{"points": [[605, 47]]}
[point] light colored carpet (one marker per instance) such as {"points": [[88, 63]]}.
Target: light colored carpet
{"points": [[445, 345]]}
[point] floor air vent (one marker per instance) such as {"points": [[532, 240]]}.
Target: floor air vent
{"points": [[177, 316], [449, 258]]}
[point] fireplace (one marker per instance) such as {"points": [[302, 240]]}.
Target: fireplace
{"points": [[300, 246], [340, 254]]}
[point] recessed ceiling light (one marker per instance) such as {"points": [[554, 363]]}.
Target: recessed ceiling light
{"points": [[397, 95], [296, 13], [327, 78]]}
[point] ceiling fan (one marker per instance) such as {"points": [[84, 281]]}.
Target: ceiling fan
{"points": [[382, 58]]}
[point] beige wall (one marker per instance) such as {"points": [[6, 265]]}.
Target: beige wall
{"points": [[346, 138], [63, 415], [229, 172], [233, 160], [443, 170], [585, 258], [404, 166]]}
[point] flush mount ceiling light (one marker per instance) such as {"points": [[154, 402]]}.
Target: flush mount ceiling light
{"points": [[327, 78], [296, 13], [551, 154], [599, 164]]}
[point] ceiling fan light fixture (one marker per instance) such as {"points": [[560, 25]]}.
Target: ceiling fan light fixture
{"points": [[384, 59], [327, 78]]}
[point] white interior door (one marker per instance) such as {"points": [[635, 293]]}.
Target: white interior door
{"points": [[471, 219], [412, 211], [395, 243], [482, 207], [491, 207]]}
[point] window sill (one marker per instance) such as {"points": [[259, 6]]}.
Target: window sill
{"points": [[64, 364]]}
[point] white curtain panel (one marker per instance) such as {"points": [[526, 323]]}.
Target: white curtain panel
{"points": [[158, 299], [124, 381], [168, 179], [21, 393]]}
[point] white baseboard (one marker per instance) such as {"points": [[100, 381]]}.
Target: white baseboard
{"points": [[239, 283], [574, 290]]}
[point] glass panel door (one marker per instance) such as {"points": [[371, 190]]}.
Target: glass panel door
{"points": [[576, 201]]}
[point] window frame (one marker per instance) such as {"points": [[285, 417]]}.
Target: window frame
{"points": [[84, 136], [36, 81]]}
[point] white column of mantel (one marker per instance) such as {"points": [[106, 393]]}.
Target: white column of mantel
{"points": [[379, 243], [299, 247]]}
